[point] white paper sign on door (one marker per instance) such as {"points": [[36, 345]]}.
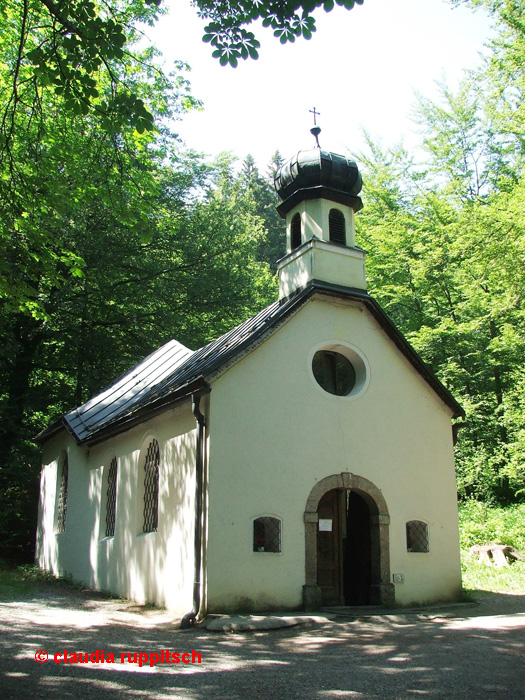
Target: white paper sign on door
{"points": [[325, 525]]}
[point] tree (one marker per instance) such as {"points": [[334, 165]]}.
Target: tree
{"points": [[231, 41], [55, 157], [70, 45], [446, 242], [193, 277], [261, 191], [447, 248]]}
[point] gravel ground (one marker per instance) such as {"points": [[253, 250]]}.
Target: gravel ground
{"points": [[472, 652]]}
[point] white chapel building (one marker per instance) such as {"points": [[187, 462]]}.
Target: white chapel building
{"points": [[304, 459]]}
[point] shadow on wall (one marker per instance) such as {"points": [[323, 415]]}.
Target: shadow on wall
{"points": [[152, 566]]}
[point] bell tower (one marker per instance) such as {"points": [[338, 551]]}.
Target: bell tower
{"points": [[319, 192]]}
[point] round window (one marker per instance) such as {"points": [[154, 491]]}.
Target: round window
{"points": [[333, 372]]}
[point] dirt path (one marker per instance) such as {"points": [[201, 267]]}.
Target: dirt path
{"points": [[473, 652]]}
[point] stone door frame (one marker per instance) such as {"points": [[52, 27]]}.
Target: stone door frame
{"points": [[381, 589]]}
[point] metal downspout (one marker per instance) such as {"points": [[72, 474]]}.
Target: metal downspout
{"points": [[189, 619]]}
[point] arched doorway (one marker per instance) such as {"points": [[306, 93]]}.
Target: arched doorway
{"points": [[344, 548], [346, 544]]}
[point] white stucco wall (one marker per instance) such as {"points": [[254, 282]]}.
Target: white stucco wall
{"points": [[155, 567], [274, 433], [318, 260]]}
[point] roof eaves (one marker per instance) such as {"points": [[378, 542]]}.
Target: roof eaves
{"points": [[147, 411], [51, 430]]}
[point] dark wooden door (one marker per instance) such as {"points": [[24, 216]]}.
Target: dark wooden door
{"points": [[329, 553], [357, 552]]}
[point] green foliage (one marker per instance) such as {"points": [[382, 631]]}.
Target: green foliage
{"points": [[189, 271], [480, 523], [260, 190], [231, 41], [69, 48], [446, 243], [76, 126], [55, 158]]}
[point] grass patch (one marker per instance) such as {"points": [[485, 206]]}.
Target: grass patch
{"points": [[480, 523], [478, 576], [20, 582]]}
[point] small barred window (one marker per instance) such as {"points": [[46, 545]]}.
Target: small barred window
{"points": [[62, 497], [111, 498], [266, 534], [151, 488], [417, 536], [296, 231]]}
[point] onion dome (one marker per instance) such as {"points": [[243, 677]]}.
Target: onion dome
{"points": [[314, 174]]}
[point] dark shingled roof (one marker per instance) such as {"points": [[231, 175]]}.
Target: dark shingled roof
{"points": [[173, 373]]}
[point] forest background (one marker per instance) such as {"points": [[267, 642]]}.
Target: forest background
{"points": [[114, 237]]}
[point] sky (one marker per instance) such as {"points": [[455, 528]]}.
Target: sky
{"points": [[361, 71]]}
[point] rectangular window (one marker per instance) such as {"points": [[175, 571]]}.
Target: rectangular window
{"points": [[266, 534], [417, 536]]}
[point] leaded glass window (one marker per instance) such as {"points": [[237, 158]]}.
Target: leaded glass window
{"points": [[266, 534], [111, 498], [417, 536], [151, 488], [62, 497]]}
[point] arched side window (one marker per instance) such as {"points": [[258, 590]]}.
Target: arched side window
{"points": [[417, 536], [62, 496], [151, 488], [296, 232], [336, 226], [267, 534], [111, 498]]}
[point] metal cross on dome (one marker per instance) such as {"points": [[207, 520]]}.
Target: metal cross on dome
{"points": [[315, 130], [316, 114]]}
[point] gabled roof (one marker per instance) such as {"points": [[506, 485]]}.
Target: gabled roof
{"points": [[173, 373], [127, 392]]}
